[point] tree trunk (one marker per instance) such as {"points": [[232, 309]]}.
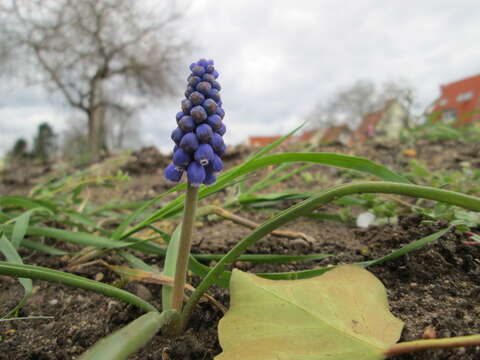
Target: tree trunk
{"points": [[96, 123]]}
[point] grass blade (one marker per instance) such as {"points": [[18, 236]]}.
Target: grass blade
{"points": [[170, 266], [50, 250], [20, 229], [264, 258], [305, 274], [86, 239], [27, 203], [136, 262], [272, 177], [414, 245], [126, 223], [42, 273], [11, 255]]}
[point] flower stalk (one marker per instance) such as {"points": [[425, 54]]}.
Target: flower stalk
{"points": [[432, 344], [185, 246]]}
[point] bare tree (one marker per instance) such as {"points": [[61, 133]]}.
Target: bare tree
{"points": [[89, 49], [351, 104]]}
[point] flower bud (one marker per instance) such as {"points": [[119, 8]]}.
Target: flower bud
{"points": [[222, 130], [208, 77], [198, 70], [214, 121], [216, 142], [187, 124], [215, 73], [186, 106], [194, 80], [189, 91], [204, 133], [204, 87], [216, 85], [210, 106], [222, 150], [198, 114], [214, 95], [181, 158], [216, 165], [177, 135], [202, 62], [204, 154], [172, 173], [220, 112], [196, 98], [195, 174], [210, 69], [210, 178], [189, 142], [179, 115]]}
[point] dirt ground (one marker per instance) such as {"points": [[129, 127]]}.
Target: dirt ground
{"points": [[437, 286]]}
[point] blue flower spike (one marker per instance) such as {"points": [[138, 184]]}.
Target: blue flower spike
{"points": [[199, 135]]}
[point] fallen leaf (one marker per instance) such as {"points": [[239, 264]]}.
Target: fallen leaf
{"points": [[410, 152], [341, 315], [153, 278]]}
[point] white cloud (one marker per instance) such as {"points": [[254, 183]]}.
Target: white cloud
{"points": [[277, 59], [16, 122]]}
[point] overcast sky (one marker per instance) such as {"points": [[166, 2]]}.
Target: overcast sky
{"points": [[278, 58]]}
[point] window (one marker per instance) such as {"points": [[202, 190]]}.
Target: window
{"points": [[449, 116], [443, 102], [465, 96]]}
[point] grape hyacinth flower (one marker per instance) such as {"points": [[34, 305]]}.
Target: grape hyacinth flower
{"points": [[198, 149], [199, 135]]}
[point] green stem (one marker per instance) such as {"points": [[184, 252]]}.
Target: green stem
{"points": [[306, 206], [184, 249], [129, 339], [421, 345]]}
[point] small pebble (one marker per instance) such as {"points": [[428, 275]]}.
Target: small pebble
{"points": [[99, 276], [300, 245]]}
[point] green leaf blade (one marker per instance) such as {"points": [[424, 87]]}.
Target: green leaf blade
{"points": [[129, 339], [43, 273], [20, 229], [11, 254]]}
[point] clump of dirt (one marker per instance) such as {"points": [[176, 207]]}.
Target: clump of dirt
{"points": [[23, 173], [148, 160]]}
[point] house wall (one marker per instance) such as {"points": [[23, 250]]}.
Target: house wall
{"points": [[456, 110], [391, 122]]}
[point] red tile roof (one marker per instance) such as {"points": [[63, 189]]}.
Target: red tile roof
{"points": [[463, 97], [333, 133], [260, 141], [307, 135]]}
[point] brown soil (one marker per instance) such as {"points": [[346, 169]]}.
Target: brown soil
{"points": [[437, 286]]}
